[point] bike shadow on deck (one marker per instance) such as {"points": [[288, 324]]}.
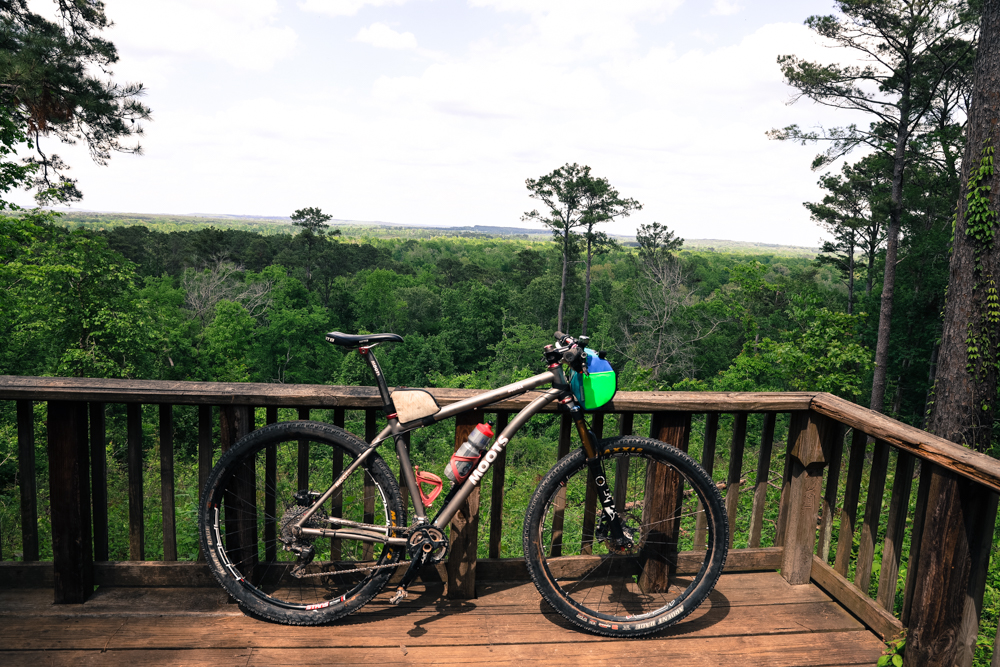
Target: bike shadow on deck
{"points": [[507, 599]]}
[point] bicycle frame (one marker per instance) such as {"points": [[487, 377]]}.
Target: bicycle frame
{"points": [[369, 533]]}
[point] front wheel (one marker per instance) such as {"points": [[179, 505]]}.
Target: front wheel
{"points": [[256, 495], [639, 575]]}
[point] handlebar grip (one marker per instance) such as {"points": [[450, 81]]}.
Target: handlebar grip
{"points": [[560, 336], [574, 357]]}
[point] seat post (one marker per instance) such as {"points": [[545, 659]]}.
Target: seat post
{"points": [[383, 389]]}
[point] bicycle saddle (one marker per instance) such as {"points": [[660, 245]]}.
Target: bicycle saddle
{"points": [[348, 340]]}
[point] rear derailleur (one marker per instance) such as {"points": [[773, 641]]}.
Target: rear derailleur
{"points": [[294, 542]]}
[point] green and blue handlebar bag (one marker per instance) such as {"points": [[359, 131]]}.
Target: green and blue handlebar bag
{"points": [[596, 385]]}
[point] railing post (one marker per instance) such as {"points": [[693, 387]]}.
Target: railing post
{"points": [[204, 456], [708, 463], [954, 511], [167, 481], [496, 501], [830, 497], [136, 517], [69, 492], [559, 515], [464, 526], [849, 510], [664, 495], [735, 471], [762, 480], [26, 479], [99, 479], [980, 548], [808, 456], [240, 503]]}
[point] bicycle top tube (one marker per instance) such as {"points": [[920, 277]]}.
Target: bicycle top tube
{"points": [[481, 400]]}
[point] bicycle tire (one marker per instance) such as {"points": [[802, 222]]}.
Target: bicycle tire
{"points": [[626, 590], [270, 461]]}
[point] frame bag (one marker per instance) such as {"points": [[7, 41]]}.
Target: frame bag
{"points": [[596, 385]]}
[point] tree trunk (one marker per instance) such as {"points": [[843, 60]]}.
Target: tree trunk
{"points": [[891, 250], [850, 275], [565, 272], [966, 380], [586, 292]]}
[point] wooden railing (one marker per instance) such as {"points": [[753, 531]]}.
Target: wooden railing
{"points": [[801, 509]]}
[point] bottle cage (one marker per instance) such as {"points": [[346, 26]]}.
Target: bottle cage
{"points": [[428, 478]]}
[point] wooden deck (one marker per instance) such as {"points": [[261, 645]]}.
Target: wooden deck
{"points": [[752, 619]]}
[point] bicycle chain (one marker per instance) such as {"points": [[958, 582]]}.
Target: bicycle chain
{"points": [[351, 571]]}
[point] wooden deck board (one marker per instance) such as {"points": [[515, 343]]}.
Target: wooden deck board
{"points": [[751, 619]]}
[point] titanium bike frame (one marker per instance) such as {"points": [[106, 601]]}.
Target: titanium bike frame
{"points": [[559, 391]]}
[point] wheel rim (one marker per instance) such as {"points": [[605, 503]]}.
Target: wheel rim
{"points": [[256, 499], [618, 583]]}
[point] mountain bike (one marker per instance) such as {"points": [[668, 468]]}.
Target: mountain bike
{"points": [[303, 522]]}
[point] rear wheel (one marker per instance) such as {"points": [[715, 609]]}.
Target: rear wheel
{"points": [[657, 569], [261, 487]]}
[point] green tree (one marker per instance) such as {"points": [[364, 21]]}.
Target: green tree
{"points": [[289, 344], [49, 87], [71, 304], [575, 200], [229, 339], [603, 204], [12, 174], [909, 50], [313, 223], [820, 352], [564, 193], [657, 243], [853, 213]]}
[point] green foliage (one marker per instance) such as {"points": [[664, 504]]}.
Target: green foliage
{"points": [[656, 241], [12, 174], [819, 353], [49, 86], [894, 652], [982, 339], [312, 220], [576, 200], [74, 304]]}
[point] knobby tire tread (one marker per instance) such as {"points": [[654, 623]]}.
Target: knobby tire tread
{"points": [[715, 555], [256, 442]]}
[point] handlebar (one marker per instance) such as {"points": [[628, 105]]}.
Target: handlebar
{"points": [[567, 351]]}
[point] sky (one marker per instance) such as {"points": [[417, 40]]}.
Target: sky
{"points": [[434, 112]]}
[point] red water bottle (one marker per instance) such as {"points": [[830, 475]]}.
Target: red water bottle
{"points": [[464, 459]]}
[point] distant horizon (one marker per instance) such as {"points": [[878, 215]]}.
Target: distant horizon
{"points": [[508, 229]]}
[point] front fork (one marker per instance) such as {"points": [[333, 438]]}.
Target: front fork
{"points": [[609, 514]]}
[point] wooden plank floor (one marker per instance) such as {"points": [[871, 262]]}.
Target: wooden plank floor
{"points": [[752, 619]]}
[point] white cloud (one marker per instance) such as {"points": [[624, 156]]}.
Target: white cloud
{"points": [[344, 7], [242, 33], [382, 36], [451, 139], [725, 7], [590, 26]]}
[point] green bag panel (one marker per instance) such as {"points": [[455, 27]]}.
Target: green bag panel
{"points": [[594, 390]]}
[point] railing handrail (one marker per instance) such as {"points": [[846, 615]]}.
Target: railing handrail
{"points": [[976, 466], [969, 463], [261, 394]]}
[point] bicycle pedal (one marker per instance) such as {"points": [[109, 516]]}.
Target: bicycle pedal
{"points": [[398, 597]]}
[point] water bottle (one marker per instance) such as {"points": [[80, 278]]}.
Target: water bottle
{"points": [[466, 456]]}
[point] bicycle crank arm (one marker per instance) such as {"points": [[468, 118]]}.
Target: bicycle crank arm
{"points": [[408, 577]]}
